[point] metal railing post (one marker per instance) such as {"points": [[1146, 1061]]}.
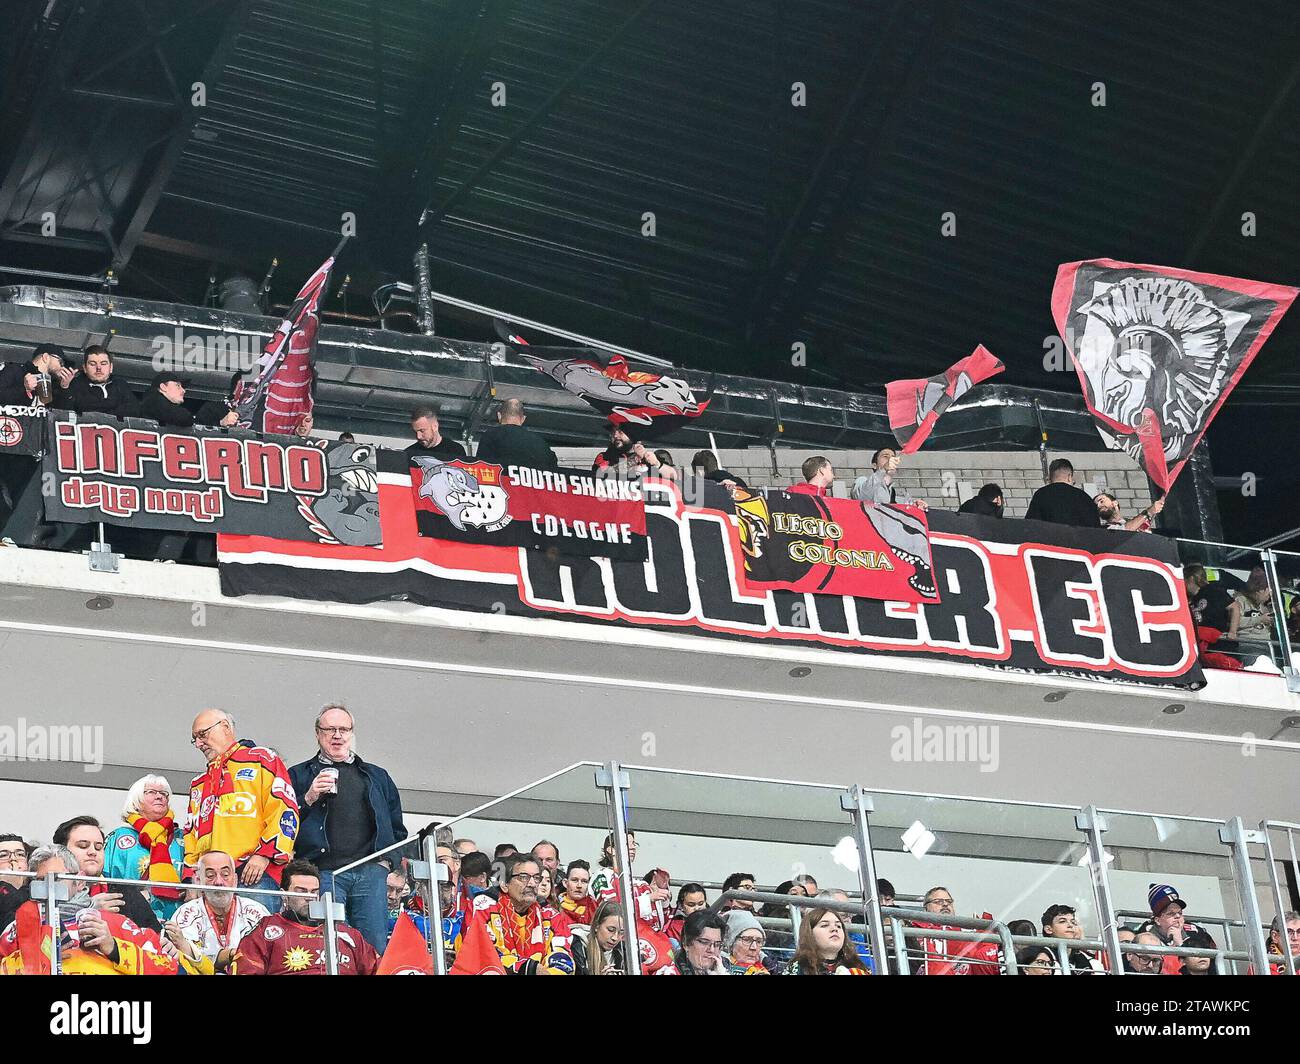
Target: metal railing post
{"points": [[615, 783], [437, 873], [52, 918], [1279, 905], [858, 806], [1092, 824], [331, 940], [1233, 834], [900, 946]]}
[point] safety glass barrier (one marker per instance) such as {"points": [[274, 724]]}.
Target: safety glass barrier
{"points": [[561, 824], [769, 843], [965, 874], [112, 925], [1275, 870], [1233, 594], [1287, 600], [1173, 883]]}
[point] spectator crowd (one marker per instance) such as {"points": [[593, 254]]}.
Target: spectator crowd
{"points": [[233, 887]]}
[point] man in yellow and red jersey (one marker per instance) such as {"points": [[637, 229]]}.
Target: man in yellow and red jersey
{"points": [[243, 804]]}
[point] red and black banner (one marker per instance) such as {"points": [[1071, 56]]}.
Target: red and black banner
{"points": [[799, 542], [136, 472], [570, 510], [1018, 594], [916, 405], [278, 394], [645, 403], [1158, 350]]}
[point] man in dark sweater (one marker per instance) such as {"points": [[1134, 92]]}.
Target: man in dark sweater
{"points": [[508, 443], [1060, 502], [96, 391], [988, 503], [429, 440], [350, 809]]}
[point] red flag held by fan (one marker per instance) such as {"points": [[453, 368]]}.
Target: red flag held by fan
{"points": [[1158, 350], [278, 393], [656, 950], [407, 953], [477, 955], [915, 405]]}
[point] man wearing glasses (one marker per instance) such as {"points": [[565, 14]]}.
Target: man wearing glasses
{"points": [[13, 858], [1145, 963], [243, 804], [948, 956], [1275, 947], [521, 930], [350, 810]]}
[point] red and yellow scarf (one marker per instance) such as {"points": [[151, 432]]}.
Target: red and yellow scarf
{"points": [[156, 836]]}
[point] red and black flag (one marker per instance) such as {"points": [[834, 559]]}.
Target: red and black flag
{"points": [[645, 404], [1158, 350], [915, 405], [276, 394]]}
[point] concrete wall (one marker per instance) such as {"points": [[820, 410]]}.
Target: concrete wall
{"points": [[944, 479]]}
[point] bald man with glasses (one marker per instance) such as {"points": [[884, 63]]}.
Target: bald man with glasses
{"points": [[243, 804]]}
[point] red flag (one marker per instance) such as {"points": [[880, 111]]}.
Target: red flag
{"points": [[279, 392], [407, 952], [1158, 350], [915, 405], [31, 939], [477, 955], [656, 950]]}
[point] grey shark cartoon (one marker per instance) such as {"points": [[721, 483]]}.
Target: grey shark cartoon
{"points": [[635, 396], [460, 496], [907, 539], [348, 514]]}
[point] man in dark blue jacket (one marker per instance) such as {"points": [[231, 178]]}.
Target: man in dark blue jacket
{"points": [[350, 809]]}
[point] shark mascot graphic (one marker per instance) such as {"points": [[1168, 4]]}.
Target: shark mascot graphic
{"points": [[468, 500], [348, 513]]}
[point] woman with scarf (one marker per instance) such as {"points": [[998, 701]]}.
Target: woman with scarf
{"points": [[149, 845]]}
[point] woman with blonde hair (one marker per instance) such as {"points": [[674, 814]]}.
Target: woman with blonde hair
{"points": [[598, 949]]}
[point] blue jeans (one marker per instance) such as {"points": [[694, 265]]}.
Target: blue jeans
{"points": [[363, 892], [269, 901]]}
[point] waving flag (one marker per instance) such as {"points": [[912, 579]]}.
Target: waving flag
{"points": [[477, 955], [277, 393], [915, 405], [646, 404], [1158, 350]]}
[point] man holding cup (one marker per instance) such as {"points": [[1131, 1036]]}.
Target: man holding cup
{"points": [[350, 809]]}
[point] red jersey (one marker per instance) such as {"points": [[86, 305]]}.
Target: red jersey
{"points": [[949, 956], [806, 489], [280, 945]]}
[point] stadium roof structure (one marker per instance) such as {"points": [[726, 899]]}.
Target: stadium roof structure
{"points": [[886, 183]]}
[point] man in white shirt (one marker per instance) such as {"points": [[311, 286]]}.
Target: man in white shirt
{"points": [[212, 924]]}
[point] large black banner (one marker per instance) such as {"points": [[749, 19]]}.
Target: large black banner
{"points": [[1018, 594], [198, 480]]}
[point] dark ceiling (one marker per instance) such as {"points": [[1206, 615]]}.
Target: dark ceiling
{"points": [[774, 223]]}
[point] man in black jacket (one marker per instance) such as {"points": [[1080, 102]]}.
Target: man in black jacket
{"points": [[164, 402], [96, 391], [350, 809], [988, 503], [18, 380], [85, 838], [1060, 502], [508, 443], [429, 440]]}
